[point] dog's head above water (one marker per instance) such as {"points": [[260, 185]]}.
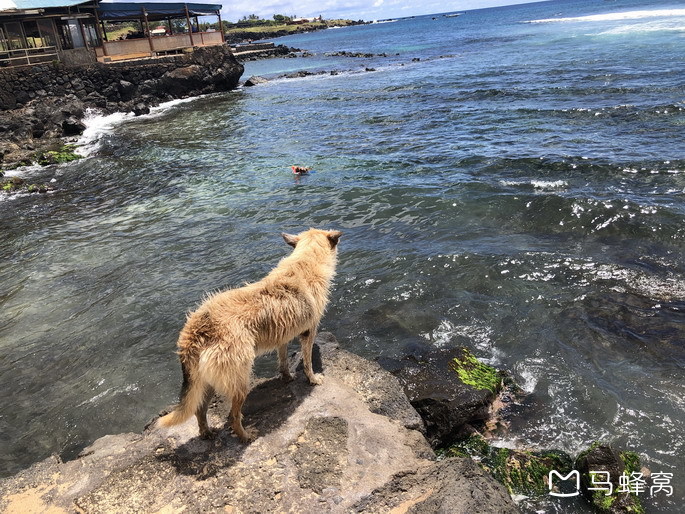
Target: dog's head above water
{"points": [[314, 238]]}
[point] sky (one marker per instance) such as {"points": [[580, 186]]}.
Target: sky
{"points": [[367, 10]]}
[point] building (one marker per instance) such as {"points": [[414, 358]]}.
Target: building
{"points": [[73, 31]]}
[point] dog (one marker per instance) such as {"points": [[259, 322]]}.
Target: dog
{"points": [[220, 340]]}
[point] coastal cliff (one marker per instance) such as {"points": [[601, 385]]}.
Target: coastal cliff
{"points": [[352, 444], [41, 104]]}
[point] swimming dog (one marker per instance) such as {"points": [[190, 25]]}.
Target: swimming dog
{"points": [[220, 340]]}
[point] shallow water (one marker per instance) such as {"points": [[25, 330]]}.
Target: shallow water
{"points": [[518, 190]]}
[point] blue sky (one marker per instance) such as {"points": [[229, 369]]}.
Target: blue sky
{"points": [[353, 9]]}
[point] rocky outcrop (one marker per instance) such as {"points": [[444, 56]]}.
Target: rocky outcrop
{"points": [[449, 388], [352, 444], [254, 80], [46, 102]]}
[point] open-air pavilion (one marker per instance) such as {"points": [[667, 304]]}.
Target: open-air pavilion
{"points": [[160, 32], [73, 31]]}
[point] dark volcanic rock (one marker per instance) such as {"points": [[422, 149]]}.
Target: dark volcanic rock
{"points": [[126, 89], [608, 463], [445, 403], [601, 458], [140, 108], [72, 126]]}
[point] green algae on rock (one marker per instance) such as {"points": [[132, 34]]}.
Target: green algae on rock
{"points": [[521, 472], [473, 372], [65, 153], [616, 497]]}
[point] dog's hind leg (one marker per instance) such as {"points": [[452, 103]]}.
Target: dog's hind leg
{"points": [[307, 342], [238, 398], [201, 414], [283, 363]]}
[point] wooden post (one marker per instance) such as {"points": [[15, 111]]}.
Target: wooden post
{"points": [[102, 33], [190, 28], [83, 33], [147, 29], [221, 27]]}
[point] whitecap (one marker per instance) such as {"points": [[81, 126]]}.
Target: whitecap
{"points": [[617, 16]]}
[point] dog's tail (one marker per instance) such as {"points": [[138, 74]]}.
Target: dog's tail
{"points": [[192, 395]]}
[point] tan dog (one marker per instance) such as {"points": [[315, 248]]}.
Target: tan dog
{"points": [[221, 339]]}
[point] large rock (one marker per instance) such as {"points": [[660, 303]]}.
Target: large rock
{"points": [[349, 444], [447, 404], [254, 80], [455, 485]]}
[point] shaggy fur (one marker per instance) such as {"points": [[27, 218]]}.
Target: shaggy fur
{"points": [[221, 339]]}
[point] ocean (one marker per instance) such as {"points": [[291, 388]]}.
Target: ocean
{"points": [[511, 180]]}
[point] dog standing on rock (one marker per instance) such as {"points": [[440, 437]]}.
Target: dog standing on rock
{"points": [[220, 340]]}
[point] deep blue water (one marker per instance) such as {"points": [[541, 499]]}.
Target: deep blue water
{"points": [[504, 183]]}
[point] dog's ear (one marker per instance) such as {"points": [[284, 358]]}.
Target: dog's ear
{"points": [[290, 239], [334, 237]]}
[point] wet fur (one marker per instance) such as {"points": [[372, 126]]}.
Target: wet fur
{"points": [[220, 340]]}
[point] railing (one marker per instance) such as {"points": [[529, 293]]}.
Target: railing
{"points": [[156, 44], [28, 56]]}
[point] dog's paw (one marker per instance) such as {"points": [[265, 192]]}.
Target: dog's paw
{"points": [[316, 379], [287, 377], [210, 433], [248, 435]]}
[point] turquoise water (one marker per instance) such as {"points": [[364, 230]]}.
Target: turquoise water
{"points": [[518, 190]]}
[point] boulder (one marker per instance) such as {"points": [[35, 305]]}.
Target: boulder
{"points": [[72, 126], [141, 108], [254, 80], [448, 396], [126, 89], [350, 444], [610, 463]]}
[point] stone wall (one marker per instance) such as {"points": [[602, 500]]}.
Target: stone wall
{"points": [[41, 104], [205, 70]]}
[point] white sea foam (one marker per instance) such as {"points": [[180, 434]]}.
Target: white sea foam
{"points": [[537, 184], [617, 16], [655, 26], [99, 125]]}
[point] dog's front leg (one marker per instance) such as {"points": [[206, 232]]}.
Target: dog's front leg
{"points": [[307, 342], [283, 363]]}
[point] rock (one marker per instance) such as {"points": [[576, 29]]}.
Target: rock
{"points": [[447, 402], [140, 108], [522, 472], [450, 486], [72, 126], [611, 464], [126, 89], [348, 445], [254, 80]]}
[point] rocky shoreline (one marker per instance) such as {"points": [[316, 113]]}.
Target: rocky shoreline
{"points": [[366, 440], [43, 107], [352, 444]]}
